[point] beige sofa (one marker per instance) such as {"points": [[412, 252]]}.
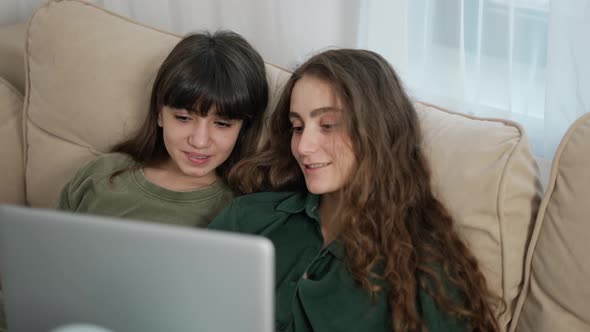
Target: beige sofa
{"points": [[75, 79]]}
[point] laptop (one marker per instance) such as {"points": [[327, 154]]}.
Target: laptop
{"points": [[62, 268]]}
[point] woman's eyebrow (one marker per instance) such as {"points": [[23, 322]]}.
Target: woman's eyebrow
{"points": [[316, 112]]}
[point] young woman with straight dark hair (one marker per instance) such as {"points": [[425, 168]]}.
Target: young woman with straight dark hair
{"points": [[205, 114]]}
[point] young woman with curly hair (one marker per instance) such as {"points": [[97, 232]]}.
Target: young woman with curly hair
{"points": [[361, 242]]}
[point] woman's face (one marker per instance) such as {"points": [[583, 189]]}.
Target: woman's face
{"points": [[197, 145], [319, 141]]}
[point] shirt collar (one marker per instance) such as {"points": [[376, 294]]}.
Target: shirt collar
{"points": [[337, 249], [309, 203], [300, 202]]}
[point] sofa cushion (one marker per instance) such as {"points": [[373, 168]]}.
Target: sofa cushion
{"points": [[485, 174], [12, 175], [557, 269], [89, 73], [12, 58]]}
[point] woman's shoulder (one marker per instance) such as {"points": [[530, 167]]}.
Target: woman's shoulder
{"points": [[253, 212], [93, 175], [261, 204], [102, 167], [263, 198], [110, 162]]}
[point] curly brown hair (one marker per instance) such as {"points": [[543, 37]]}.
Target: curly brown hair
{"points": [[393, 221]]}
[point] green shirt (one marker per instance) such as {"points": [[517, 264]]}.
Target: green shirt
{"points": [[314, 291], [131, 195]]}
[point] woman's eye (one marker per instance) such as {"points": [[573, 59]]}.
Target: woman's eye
{"points": [[329, 126], [297, 129], [223, 124], [182, 118]]}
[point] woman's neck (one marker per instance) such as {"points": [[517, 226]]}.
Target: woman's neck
{"points": [[330, 223]]}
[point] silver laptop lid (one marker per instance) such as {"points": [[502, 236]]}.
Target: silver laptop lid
{"points": [[61, 268]]}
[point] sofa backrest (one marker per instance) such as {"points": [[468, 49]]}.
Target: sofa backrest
{"points": [[557, 289], [89, 73]]}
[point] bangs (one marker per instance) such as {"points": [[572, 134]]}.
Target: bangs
{"points": [[200, 85]]}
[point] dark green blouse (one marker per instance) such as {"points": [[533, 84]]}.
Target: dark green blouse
{"points": [[314, 291]]}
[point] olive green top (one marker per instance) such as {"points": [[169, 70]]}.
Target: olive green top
{"points": [[132, 196], [314, 290]]}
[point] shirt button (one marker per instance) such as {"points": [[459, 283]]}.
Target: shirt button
{"points": [[296, 277]]}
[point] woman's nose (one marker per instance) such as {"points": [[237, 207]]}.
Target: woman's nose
{"points": [[200, 135], [307, 142]]}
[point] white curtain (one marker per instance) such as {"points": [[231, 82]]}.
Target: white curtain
{"points": [[285, 32], [15, 11], [568, 71], [525, 60]]}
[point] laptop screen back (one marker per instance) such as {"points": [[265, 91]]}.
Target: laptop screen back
{"points": [[61, 268]]}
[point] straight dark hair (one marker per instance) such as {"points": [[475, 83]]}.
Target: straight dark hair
{"points": [[203, 71]]}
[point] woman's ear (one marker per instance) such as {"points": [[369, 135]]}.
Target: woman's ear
{"points": [[160, 118]]}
